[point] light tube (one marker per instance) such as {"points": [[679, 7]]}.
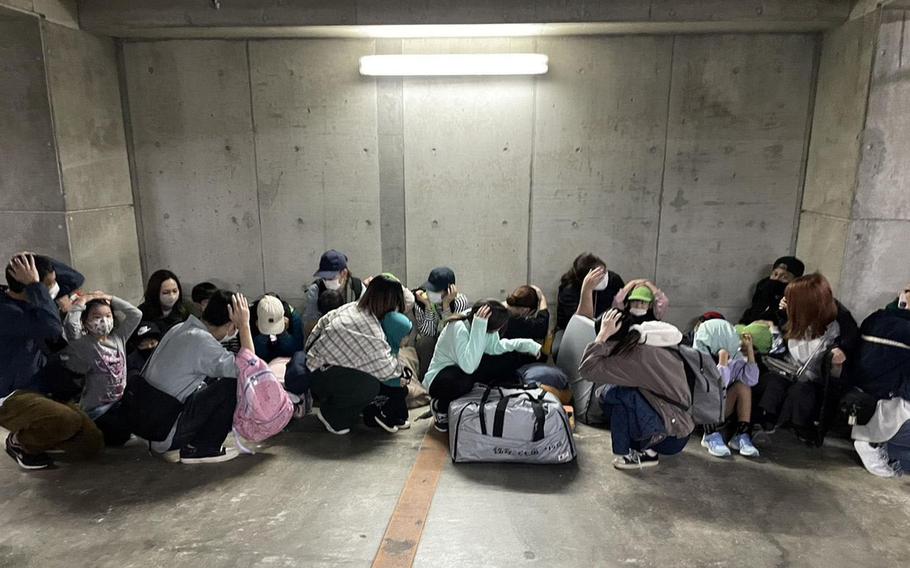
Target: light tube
{"points": [[454, 64]]}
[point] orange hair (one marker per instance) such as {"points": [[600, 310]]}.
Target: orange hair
{"points": [[810, 307]]}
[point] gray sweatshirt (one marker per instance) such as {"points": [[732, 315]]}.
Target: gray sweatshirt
{"points": [[102, 361]]}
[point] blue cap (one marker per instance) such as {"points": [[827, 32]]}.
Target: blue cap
{"points": [[330, 264], [440, 279]]}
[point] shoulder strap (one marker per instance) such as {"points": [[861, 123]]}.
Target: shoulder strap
{"points": [[885, 341]]}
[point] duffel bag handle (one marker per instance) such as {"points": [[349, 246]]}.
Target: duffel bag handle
{"points": [[483, 405], [540, 416]]}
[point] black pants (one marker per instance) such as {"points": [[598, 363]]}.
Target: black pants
{"points": [[208, 415], [115, 425], [392, 402], [452, 383], [343, 394], [784, 402]]}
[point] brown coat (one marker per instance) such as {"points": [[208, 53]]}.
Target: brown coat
{"points": [[653, 370]]}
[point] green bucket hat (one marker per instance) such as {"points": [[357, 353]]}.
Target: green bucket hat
{"points": [[642, 294]]}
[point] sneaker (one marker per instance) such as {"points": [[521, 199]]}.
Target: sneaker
{"points": [[636, 460], [27, 461], [441, 419], [875, 459], [385, 423], [317, 412], [192, 455], [404, 425], [743, 444], [715, 445]]}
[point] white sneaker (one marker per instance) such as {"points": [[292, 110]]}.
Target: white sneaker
{"points": [[875, 459], [405, 426], [317, 412], [715, 445]]}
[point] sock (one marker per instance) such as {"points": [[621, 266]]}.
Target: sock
{"points": [[711, 428]]}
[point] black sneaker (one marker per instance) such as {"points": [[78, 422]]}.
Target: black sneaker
{"points": [[27, 461], [636, 460], [440, 419], [191, 455], [385, 423]]}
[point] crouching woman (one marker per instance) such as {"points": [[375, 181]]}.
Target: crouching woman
{"points": [[649, 397]]}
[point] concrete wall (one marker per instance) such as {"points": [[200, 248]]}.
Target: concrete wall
{"points": [[877, 258], [675, 157], [64, 183]]}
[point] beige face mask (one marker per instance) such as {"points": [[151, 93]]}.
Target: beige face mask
{"points": [[903, 301]]}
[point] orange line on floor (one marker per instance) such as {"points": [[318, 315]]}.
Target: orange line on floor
{"points": [[402, 536]]}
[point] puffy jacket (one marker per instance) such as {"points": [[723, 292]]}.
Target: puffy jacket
{"points": [[883, 370]]}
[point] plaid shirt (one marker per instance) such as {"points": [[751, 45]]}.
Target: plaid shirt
{"points": [[352, 338]]}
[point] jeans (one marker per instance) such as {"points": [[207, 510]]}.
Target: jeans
{"points": [[41, 424], [208, 416], [625, 419], [899, 447], [343, 394]]}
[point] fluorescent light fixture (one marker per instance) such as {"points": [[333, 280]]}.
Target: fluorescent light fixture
{"points": [[453, 30], [454, 64]]}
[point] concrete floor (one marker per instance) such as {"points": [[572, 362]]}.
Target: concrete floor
{"points": [[317, 500]]}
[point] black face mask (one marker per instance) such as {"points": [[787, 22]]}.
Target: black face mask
{"points": [[771, 291]]}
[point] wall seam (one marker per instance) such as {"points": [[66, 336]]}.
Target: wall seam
{"points": [[534, 89], [663, 169], [807, 142], [249, 76], [131, 158]]}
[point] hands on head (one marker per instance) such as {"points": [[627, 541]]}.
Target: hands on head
{"points": [[23, 268], [609, 325]]}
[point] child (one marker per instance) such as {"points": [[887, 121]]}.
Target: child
{"points": [[396, 326], [470, 350], [97, 349], [329, 300], [718, 338], [642, 300], [278, 328], [201, 294], [437, 300]]}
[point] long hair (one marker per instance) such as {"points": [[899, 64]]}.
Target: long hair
{"points": [[626, 338], [810, 307], [499, 315], [382, 296], [151, 306], [583, 263]]}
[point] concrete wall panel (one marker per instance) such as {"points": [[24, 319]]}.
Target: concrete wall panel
{"points": [[467, 155], [839, 117], [317, 150], [193, 141], [737, 127], [28, 177], [40, 232], [875, 264], [82, 72], [821, 244], [885, 167], [105, 249], [598, 156]]}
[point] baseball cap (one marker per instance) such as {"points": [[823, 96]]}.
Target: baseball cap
{"points": [[642, 294], [791, 264], [148, 330], [270, 315], [330, 264], [440, 279]]}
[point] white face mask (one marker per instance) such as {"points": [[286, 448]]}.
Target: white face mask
{"points": [[435, 297], [168, 300], [332, 284], [100, 327], [603, 283], [903, 301], [229, 337], [638, 311], [54, 290]]}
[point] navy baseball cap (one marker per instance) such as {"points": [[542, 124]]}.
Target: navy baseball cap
{"points": [[440, 279], [330, 264]]}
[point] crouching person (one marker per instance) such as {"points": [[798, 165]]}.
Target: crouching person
{"points": [[348, 356], [650, 396], [470, 351], [28, 320], [191, 384]]}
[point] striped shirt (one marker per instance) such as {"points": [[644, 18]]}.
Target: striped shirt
{"points": [[430, 321], [352, 338]]}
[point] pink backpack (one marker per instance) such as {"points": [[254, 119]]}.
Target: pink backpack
{"points": [[263, 406]]}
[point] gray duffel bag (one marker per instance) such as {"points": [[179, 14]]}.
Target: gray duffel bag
{"points": [[493, 424]]}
